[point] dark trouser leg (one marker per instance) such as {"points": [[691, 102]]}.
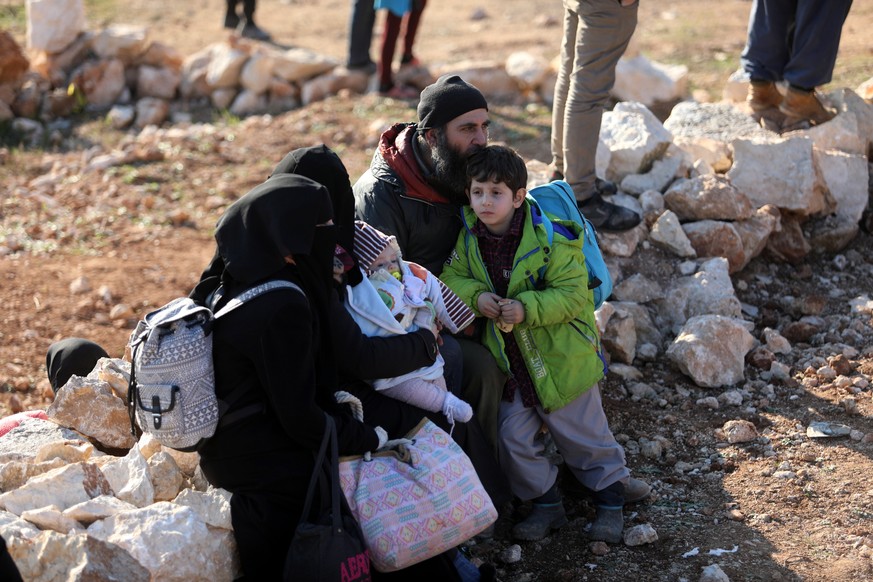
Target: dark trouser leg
{"points": [[249, 11], [413, 19], [767, 44], [816, 40], [361, 33], [453, 371], [386, 55], [483, 386]]}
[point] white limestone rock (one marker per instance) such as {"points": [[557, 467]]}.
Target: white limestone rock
{"points": [[52, 25], [845, 176], [661, 175], [648, 82], [75, 557], [28, 438], [212, 506], [62, 487], [634, 137], [716, 238], [149, 111], [129, 477], [756, 231], [300, 64], [638, 289], [91, 407], [257, 73], [639, 535], [172, 543], [714, 152], [50, 517], [125, 42], [739, 431], [166, 477], [527, 69], [711, 350], [667, 234], [100, 507], [224, 66], [707, 291], [160, 82], [759, 172], [707, 197]]}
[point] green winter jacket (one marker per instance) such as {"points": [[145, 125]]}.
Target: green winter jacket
{"points": [[558, 338]]}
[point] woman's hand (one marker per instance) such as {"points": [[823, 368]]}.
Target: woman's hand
{"points": [[488, 305]]}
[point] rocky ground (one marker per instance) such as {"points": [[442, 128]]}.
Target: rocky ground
{"points": [[89, 247]]}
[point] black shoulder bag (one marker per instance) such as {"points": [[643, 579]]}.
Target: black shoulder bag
{"points": [[329, 548]]}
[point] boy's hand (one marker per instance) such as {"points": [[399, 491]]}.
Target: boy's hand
{"points": [[488, 305], [511, 311]]}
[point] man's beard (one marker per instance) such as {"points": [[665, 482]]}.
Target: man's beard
{"points": [[449, 176]]}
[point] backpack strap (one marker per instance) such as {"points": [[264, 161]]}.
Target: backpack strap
{"points": [[250, 294]]}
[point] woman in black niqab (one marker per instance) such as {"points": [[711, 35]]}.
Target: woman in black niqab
{"points": [[320, 163], [276, 351]]}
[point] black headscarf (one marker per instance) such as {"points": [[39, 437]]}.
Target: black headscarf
{"points": [[322, 164], [273, 220]]}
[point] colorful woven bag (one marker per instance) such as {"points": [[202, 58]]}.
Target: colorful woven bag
{"points": [[417, 500]]}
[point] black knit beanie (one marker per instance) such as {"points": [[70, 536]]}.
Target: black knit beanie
{"points": [[446, 99]]}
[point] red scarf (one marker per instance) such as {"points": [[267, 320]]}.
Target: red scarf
{"points": [[396, 149]]}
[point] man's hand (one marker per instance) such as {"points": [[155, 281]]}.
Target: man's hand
{"points": [[488, 305]]}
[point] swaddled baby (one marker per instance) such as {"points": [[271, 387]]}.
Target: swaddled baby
{"points": [[398, 297]]}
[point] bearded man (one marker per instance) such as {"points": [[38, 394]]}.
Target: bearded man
{"points": [[414, 189]]}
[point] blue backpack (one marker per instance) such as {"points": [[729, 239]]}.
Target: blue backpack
{"points": [[556, 199]]}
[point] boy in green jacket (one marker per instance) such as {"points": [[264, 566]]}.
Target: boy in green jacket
{"points": [[540, 327]]}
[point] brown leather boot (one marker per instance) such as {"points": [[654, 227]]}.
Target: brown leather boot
{"points": [[805, 106], [763, 95]]}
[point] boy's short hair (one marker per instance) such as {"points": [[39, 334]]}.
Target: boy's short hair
{"points": [[497, 164]]}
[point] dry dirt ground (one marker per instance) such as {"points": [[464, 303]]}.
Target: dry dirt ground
{"points": [[150, 236]]}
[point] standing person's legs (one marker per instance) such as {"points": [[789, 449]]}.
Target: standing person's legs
{"points": [[231, 18], [814, 46], [250, 29], [562, 87], [386, 54], [816, 41], [604, 30], [766, 53], [361, 35], [767, 43], [483, 383], [413, 20]]}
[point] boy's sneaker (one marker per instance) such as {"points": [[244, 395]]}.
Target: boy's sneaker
{"points": [[541, 520], [636, 490], [607, 525]]}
